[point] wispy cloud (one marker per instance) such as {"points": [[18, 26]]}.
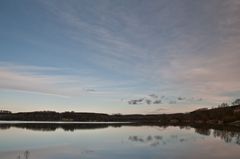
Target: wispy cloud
{"points": [[49, 81], [187, 60], [19, 78], [187, 50], [62, 82]]}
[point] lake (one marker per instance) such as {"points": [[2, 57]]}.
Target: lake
{"points": [[116, 141]]}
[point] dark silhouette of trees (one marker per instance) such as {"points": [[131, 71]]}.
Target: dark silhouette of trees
{"points": [[221, 115], [236, 102], [223, 105], [4, 112]]}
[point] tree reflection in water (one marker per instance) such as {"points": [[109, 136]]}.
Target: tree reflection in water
{"points": [[227, 136], [203, 131], [230, 135], [26, 155]]}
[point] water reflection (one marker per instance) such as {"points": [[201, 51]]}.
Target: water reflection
{"points": [[203, 131], [54, 127], [38, 153], [157, 140], [150, 140], [24, 156], [118, 140], [229, 135]]}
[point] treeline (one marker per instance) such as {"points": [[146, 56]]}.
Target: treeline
{"points": [[76, 116], [219, 115]]}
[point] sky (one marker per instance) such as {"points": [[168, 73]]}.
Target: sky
{"points": [[121, 56]]}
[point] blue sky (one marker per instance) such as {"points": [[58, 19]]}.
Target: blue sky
{"points": [[150, 56]]}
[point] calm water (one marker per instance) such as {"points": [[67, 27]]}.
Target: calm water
{"points": [[100, 141]]}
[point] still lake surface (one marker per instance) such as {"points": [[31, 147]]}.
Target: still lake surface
{"points": [[103, 141]]}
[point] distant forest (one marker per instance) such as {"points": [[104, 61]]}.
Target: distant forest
{"points": [[223, 114]]}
